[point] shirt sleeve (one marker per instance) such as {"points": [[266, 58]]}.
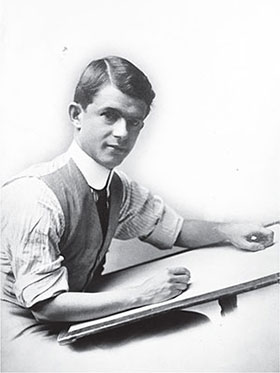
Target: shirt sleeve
{"points": [[146, 216], [32, 225]]}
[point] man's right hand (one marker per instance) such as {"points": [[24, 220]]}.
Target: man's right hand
{"points": [[82, 306], [165, 285]]}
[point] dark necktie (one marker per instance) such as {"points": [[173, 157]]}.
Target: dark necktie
{"points": [[101, 200]]}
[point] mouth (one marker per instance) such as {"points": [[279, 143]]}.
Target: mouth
{"points": [[117, 148]]}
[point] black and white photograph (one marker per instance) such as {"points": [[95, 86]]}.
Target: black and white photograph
{"points": [[140, 188]]}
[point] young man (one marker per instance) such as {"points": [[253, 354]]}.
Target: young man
{"points": [[59, 217]]}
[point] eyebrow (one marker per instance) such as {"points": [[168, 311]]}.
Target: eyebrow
{"points": [[121, 113]]}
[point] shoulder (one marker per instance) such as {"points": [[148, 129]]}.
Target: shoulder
{"points": [[127, 183], [27, 194], [126, 180], [123, 177], [28, 202], [28, 187], [27, 191], [132, 190], [45, 168]]}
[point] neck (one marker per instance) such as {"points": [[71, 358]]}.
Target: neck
{"points": [[96, 174]]}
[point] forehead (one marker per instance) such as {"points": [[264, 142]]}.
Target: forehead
{"points": [[111, 97]]}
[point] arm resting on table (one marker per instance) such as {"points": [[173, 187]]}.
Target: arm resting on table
{"points": [[77, 306], [197, 233]]}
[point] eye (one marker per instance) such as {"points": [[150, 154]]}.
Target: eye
{"points": [[137, 123], [110, 116]]}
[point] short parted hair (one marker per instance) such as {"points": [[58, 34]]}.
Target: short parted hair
{"points": [[116, 71]]}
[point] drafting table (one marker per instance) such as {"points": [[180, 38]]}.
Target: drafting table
{"points": [[198, 338], [245, 339], [216, 273]]}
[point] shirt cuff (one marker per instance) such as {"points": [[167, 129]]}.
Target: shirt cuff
{"points": [[166, 230], [43, 288]]}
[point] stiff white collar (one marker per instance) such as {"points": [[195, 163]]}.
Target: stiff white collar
{"points": [[97, 176]]}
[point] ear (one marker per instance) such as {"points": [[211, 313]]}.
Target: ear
{"points": [[75, 113]]}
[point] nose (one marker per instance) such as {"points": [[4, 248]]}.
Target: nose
{"points": [[120, 128]]}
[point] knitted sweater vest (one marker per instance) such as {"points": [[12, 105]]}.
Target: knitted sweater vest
{"points": [[82, 244]]}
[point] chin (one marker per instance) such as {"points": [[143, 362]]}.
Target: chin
{"points": [[112, 163]]}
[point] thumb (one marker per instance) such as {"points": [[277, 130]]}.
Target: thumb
{"points": [[250, 246]]}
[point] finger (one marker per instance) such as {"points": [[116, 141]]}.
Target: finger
{"points": [[250, 246], [179, 271], [269, 236], [263, 235], [180, 279], [266, 231], [181, 287], [256, 247]]}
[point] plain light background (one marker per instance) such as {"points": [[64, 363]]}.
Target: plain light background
{"points": [[210, 145]]}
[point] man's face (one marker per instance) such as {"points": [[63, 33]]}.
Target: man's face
{"points": [[110, 125]]}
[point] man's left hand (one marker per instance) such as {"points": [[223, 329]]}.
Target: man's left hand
{"points": [[251, 237]]}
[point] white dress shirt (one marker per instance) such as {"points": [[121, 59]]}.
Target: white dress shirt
{"points": [[33, 224]]}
